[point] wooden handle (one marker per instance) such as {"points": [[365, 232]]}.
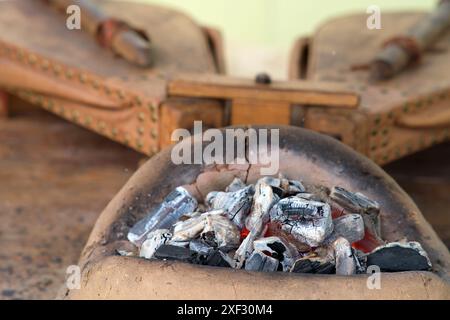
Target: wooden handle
{"points": [[293, 92]]}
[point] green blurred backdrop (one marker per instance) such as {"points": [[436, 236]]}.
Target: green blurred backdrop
{"points": [[266, 29]]}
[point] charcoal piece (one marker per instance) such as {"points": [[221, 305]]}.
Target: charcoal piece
{"points": [[263, 200], [200, 247], [220, 232], [345, 260], [184, 244], [282, 186], [163, 216], [398, 256], [308, 221], [169, 252], [216, 259], [154, 240], [259, 261], [354, 202], [235, 204], [306, 265], [192, 228], [294, 187], [235, 185], [188, 229], [360, 261], [349, 226], [306, 196], [278, 249]]}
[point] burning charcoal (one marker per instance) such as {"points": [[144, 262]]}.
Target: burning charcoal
{"points": [[274, 228], [169, 252], [154, 240], [200, 247], [345, 260], [313, 265], [308, 221], [236, 204], [221, 232], [235, 185], [263, 200], [177, 203], [354, 202], [278, 249], [398, 256], [259, 261], [349, 226]]}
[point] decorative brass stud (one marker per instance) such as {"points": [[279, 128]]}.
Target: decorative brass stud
{"points": [[20, 55], [154, 116], [69, 74], [82, 77], [45, 64], [95, 84], [154, 133], [374, 132], [138, 101], [101, 126], [75, 115], [377, 120], [88, 120], [120, 94], [126, 139], [418, 104], [141, 116], [140, 130], [32, 59], [114, 132], [139, 144], [405, 108], [57, 69], [390, 115]]}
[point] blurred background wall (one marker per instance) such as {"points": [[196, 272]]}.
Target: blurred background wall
{"points": [[259, 33]]}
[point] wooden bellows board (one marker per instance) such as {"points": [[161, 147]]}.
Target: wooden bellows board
{"points": [[67, 73]]}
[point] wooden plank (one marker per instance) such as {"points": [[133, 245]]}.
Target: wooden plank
{"points": [[249, 111], [182, 112], [294, 92]]}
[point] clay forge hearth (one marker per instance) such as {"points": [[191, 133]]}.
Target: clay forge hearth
{"points": [[304, 155]]}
